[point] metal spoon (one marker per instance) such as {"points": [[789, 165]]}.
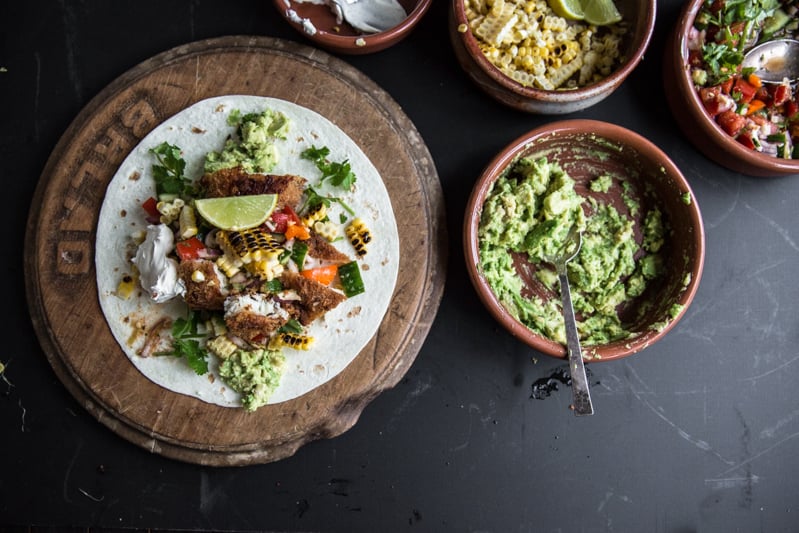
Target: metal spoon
{"points": [[581, 396], [775, 60]]}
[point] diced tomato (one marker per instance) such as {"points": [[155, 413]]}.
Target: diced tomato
{"points": [[726, 85], [746, 140], [791, 108], [745, 89], [323, 274], [283, 218], [782, 93], [191, 248], [731, 122], [714, 101], [150, 206]]}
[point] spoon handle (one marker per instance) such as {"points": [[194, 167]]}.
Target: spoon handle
{"points": [[581, 396]]}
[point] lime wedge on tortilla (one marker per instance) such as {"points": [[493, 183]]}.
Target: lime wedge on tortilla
{"points": [[600, 12], [236, 213], [568, 9]]}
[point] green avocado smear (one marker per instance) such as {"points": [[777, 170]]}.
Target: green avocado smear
{"points": [[529, 211], [255, 374]]}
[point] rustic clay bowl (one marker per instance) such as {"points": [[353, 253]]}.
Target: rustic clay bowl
{"points": [[586, 149], [495, 83], [342, 38], [696, 124]]}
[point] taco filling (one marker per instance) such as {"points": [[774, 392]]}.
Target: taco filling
{"points": [[239, 266]]}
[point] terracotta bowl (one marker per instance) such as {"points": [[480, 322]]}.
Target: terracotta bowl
{"points": [[586, 149], [343, 38], [489, 78], [696, 124]]}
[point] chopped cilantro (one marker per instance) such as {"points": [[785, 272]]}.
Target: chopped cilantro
{"points": [[185, 343], [168, 173], [313, 199], [338, 174]]}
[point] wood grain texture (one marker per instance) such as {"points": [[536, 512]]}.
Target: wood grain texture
{"points": [[59, 255]]}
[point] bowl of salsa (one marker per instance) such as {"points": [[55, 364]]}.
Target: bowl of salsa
{"points": [[733, 114]]}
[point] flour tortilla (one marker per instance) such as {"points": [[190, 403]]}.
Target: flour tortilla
{"points": [[201, 128]]}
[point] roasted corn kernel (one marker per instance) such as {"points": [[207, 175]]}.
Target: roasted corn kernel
{"points": [[292, 340], [188, 222], [314, 214], [221, 346], [359, 235]]}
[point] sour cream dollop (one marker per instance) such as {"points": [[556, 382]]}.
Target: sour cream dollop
{"points": [[158, 272]]}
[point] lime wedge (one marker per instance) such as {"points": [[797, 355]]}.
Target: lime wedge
{"points": [[568, 9], [600, 12], [236, 213]]}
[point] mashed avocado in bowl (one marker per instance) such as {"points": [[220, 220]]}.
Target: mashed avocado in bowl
{"points": [[642, 244]]}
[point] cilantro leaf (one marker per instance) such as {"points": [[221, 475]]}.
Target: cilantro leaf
{"points": [[339, 174], [313, 198], [185, 343], [168, 172]]}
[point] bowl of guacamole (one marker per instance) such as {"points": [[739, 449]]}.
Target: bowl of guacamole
{"points": [[643, 241]]}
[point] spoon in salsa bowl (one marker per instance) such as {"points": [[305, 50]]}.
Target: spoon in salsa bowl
{"points": [[774, 61]]}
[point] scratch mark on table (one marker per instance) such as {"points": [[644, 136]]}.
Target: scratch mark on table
{"points": [[699, 443], [731, 482], [761, 453], [773, 370], [24, 411], [780, 230], [768, 433], [609, 496], [68, 472]]}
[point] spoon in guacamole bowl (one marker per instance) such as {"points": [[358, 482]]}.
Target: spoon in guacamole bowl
{"points": [[581, 395]]}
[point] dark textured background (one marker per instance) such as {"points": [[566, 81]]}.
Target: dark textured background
{"points": [[697, 433]]}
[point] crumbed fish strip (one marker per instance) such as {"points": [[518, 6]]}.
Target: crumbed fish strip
{"points": [[236, 182], [315, 299], [205, 284]]}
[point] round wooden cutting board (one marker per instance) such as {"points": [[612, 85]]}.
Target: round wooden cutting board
{"points": [[59, 255]]}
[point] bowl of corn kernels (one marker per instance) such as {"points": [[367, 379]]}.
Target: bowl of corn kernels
{"points": [[550, 56]]}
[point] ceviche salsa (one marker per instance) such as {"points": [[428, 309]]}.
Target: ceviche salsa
{"points": [[761, 116]]}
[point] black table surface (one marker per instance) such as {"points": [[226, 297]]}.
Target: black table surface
{"points": [[696, 433]]}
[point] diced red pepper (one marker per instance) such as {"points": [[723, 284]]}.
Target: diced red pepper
{"points": [[150, 206], [791, 108], [731, 122], [323, 274], [191, 248], [297, 231]]}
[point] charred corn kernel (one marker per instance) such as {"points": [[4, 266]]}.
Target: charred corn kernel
{"points": [[291, 340], [315, 213], [197, 276], [230, 265], [188, 222], [248, 245], [326, 229], [267, 268], [359, 235], [170, 211], [126, 287], [216, 326], [221, 347]]}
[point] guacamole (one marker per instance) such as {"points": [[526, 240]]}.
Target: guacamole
{"points": [[529, 212], [254, 374], [253, 147]]}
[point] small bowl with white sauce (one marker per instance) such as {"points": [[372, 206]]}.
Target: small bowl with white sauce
{"points": [[534, 60], [643, 240], [353, 27]]}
